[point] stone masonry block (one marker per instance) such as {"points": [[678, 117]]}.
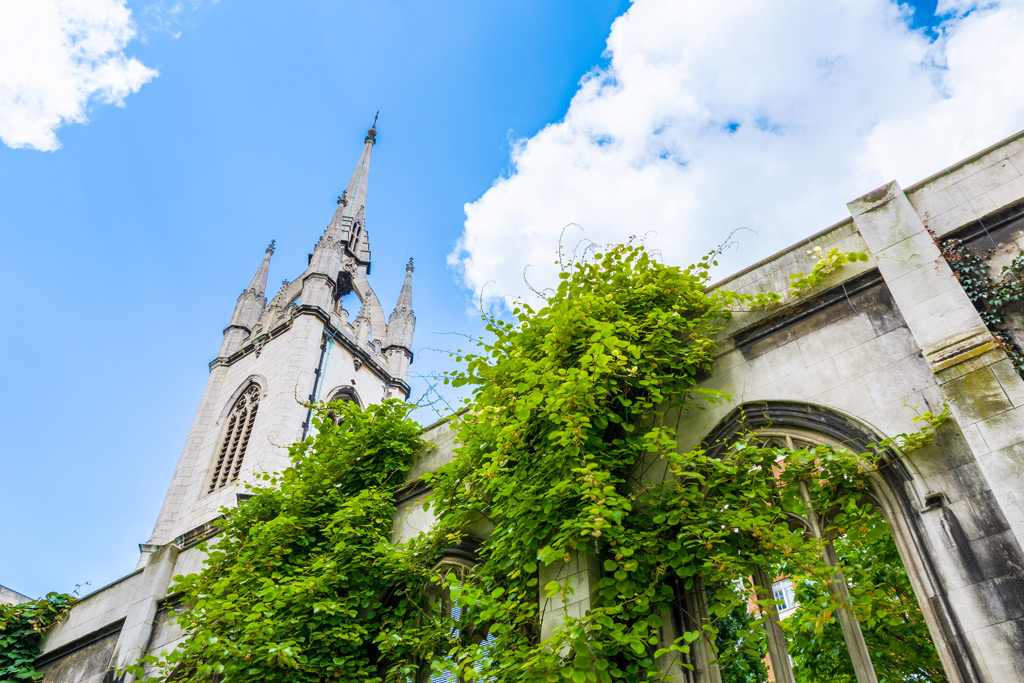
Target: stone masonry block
{"points": [[851, 397], [936, 318], [966, 212], [804, 384], [898, 416], [1004, 469], [896, 382], [878, 351], [975, 439], [773, 365], [913, 253], [1003, 430], [834, 339], [987, 179], [1016, 157], [885, 217], [976, 396], [1007, 193], [998, 649], [933, 204], [1010, 381]]}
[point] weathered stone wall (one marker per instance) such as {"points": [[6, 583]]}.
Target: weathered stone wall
{"points": [[9, 597]]}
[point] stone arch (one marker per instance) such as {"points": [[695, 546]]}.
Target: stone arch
{"points": [[899, 492], [254, 378], [345, 393]]}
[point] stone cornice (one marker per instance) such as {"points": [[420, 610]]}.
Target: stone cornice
{"points": [[793, 312], [407, 350], [368, 360], [250, 346]]}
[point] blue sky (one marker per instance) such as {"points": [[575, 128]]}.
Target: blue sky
{"points": [[125, 248]]}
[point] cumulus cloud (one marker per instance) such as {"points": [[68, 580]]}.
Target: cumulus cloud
{"points": [[57, 57], [712, 116]]}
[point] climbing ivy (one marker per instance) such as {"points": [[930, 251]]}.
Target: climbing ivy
{"points": [[827, 263], [572, 430], [293, 588], [568, 466], [995, 297], [22, 627]]}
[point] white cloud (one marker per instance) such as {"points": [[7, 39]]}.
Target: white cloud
{"points": [[56, 58], [770, 115], [168, 16]]}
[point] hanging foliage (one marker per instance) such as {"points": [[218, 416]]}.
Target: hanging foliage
{"points": [[996, 298], [22, 627]]}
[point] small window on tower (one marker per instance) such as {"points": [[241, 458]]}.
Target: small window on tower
{"points": [[357, 228], [236, 438], [349, 396]]}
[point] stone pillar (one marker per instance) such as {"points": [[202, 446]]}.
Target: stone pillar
{"points": [[695, 617], [581, 573], [782, 668], [138, 623], [234, 337], [983, 568], [318, 290]]}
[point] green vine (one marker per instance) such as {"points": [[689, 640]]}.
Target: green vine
{"points": [[293, 589], [567, 462], [826, 264], [22, 627], [995, 298]]}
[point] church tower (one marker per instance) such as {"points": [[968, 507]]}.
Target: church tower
{"points": [[322, 337]]}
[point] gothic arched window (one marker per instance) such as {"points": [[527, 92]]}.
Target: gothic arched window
{"points": [[236, 438], [463, 630], [347, 395]]}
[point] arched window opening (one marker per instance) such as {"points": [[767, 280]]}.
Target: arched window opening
{"points": [[357, 229], [346, 395], [236, 438], [349, 303], [851, 615], [453, 572]]}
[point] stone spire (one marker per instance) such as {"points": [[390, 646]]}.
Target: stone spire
{"points": [[345, 244], [348, 223], [249, 307], [258, 286], [398, 345]]}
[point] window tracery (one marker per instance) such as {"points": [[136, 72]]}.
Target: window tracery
{"points": [[236, 439], [463, 627], [776, 594]]}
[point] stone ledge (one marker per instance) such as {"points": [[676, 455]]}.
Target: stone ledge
{"points": [[959, 348]]}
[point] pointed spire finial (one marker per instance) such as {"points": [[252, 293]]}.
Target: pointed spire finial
{"points": [[371, 135], [408, 267], [270, 249]]}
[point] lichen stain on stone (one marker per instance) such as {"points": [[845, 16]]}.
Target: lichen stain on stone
{"points": [[873, 200], [979, 394]]}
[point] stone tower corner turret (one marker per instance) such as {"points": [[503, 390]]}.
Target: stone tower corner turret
{"points": [[398, 345], [248, 309]]}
